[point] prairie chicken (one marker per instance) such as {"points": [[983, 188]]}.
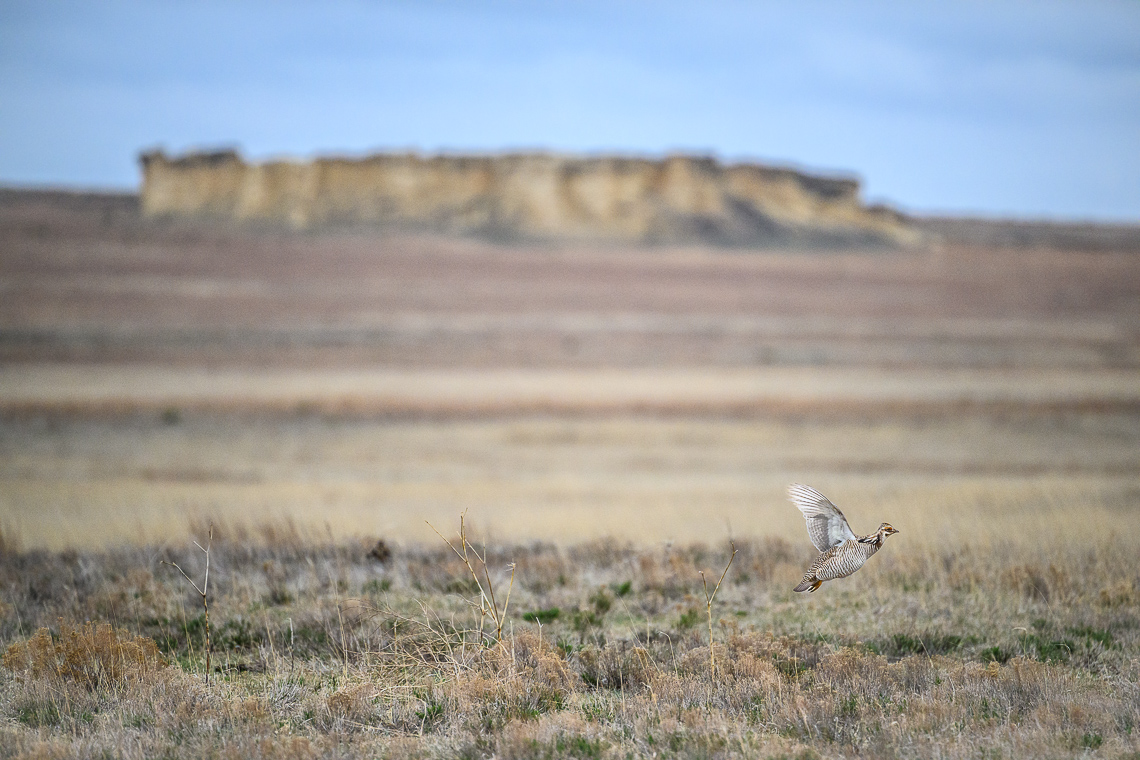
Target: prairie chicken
{"points": [[841, 551]]}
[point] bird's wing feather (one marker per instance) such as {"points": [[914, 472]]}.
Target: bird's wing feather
{"points": [[826, 525]]}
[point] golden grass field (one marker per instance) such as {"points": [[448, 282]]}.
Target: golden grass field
{"points": [[607, 421], [90, 482]]}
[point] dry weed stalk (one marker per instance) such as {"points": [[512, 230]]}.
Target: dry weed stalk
{"points": [[709, 603], [488, 607], [205, 587]]}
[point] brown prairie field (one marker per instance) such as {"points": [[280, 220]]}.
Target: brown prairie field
{"points": [[607, 420]]}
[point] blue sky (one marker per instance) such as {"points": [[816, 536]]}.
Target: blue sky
{"points": [[1021, 108]]}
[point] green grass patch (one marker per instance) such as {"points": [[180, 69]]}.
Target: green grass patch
{"points": [[584, 620], [622, 589], [38, 713], [1090, 635], [1091, 740], [376, 586], [1046, 649], [602, 601], [542, 616], [688, 619], [995, 654], [903, 644]]}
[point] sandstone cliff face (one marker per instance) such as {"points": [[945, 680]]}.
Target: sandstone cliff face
{"points": [[677, 200]]}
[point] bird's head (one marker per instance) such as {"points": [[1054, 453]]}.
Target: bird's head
{"points": [[886, 529]]}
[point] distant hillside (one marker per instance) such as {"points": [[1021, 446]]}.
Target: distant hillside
{"points": [[1010, 233], [528, 197], [79, 209]]}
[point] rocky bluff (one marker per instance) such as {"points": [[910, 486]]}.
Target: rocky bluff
{"points": [[520, 197]]}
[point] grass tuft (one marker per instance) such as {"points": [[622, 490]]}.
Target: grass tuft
{"points": [[93, 655]]}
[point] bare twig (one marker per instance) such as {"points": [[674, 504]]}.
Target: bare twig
{"points": [[203, 590], [340, 622], [488, 605], [709, 603]]}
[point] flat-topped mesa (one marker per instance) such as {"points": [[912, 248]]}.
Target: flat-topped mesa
{"points": [[676, 200]]}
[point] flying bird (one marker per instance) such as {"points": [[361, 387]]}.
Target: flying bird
{"points": [[841, 551]]}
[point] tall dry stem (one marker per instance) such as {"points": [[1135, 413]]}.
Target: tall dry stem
{"points": [[709, 603], [202, 590]]}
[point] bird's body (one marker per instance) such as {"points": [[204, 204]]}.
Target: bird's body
{"points": [[839, 561], [841, 551]]}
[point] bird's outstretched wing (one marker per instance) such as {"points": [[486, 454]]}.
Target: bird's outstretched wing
{"points": [[826, 525]]}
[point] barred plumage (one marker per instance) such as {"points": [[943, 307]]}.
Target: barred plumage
{"points": [[841, 551]]}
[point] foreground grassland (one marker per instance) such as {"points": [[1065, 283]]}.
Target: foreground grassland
{"points": [[999, 647]]}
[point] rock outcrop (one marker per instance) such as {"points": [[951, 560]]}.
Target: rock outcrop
{"points": [[676, 200]]}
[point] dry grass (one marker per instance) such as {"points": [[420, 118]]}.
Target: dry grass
{"points": [[96, 656], [469, 392], [88, 483], [331, 649]]}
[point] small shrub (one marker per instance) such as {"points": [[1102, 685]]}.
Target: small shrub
{"points": [[94, 655]]}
